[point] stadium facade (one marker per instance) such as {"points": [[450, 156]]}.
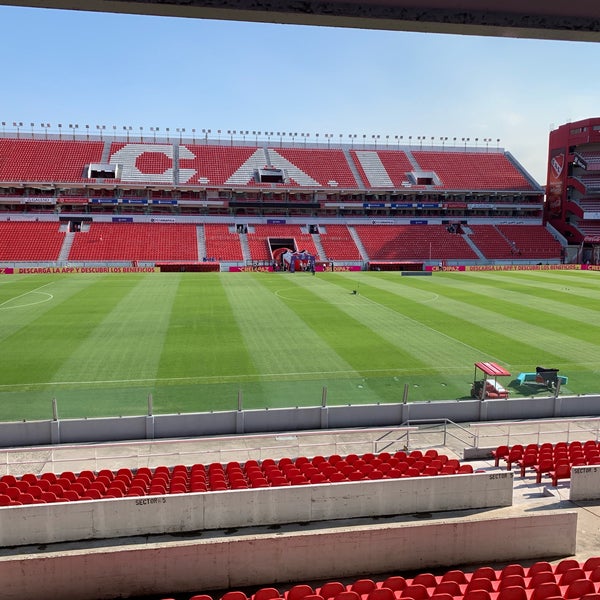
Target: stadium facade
{"points": [[573, 186], [223, 202]]}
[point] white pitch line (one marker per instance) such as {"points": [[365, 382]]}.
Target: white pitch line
{"points": [[219, 378], [260, 377], [35, 291]]}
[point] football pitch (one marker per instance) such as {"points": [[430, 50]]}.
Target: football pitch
{"points": [[101, 344]]}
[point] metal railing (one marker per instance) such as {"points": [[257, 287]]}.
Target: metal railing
{"points": [[490, 435], [170, 452]]}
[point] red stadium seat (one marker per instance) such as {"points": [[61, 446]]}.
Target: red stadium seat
{"points": [[234, 595], [512, 593], [539, 567], [382, 593], [566, 564], [416, 592], [266, 594], [330, 589], [578, 588], [362, 586], [545, 590], [298, 592], [426, 579]]}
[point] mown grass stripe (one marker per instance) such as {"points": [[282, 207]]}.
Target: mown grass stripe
{"points": [[570, 294], [203, 338], [38, 350], [279, 337], [195, 341], [393, 338], [28, 299], [554, 315], [127, 338], [324, 307], [473, 327], [521, 323]]}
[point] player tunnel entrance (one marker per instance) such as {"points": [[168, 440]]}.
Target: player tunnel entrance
{"points": [[286, 257]]}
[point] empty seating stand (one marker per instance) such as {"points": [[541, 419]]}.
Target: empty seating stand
{"points": [[220, 165], [47, 161], [383, 168], [259, 246], [30, 241], [413, 242], [136, 242], [338, 244], [222, 243], [182, 479], [553, 461], [568, 579], [472, 170], [315, 168]]}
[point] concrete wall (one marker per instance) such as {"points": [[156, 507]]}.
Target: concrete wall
{"points": [[269, 558], [585, 483], [35, 433], [112, 518]]}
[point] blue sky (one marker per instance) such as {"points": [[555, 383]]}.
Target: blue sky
{"points": [[90, 68]]}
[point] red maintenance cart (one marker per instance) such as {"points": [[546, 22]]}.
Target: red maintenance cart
{"points": [[485, 381]]}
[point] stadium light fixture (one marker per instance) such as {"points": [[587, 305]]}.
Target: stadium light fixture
{"points": [[476, 142], [73, 127], [168, 129], [141, 134], [154, 130], [420, 138], [18, 125], [60, 131], [487, 143], [87, 132], [3, 127], [44, 126], [410, 141], [498, 144], [32, 125]]}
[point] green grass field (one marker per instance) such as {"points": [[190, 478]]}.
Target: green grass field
{"points": [[100, 344]]}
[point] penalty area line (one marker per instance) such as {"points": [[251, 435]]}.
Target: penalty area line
{"points": [[225, 378]]}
